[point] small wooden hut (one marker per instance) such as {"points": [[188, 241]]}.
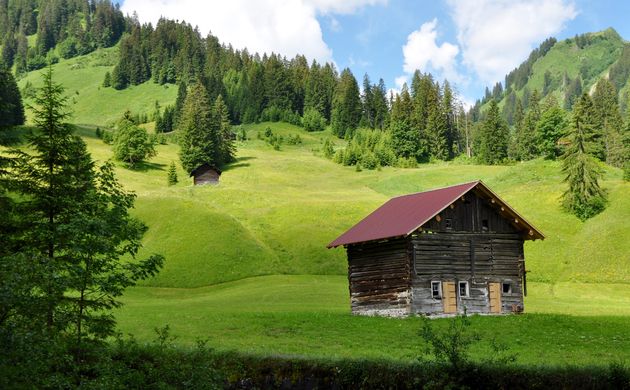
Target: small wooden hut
{"points": [[439, 252], [205, 174]]}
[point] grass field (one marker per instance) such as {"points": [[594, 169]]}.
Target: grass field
{"points": [[247, 264], [308, 315]]}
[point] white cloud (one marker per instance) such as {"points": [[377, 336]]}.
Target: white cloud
{"points": [[288, 27], [400, 81], [497, 35], [422, 52]]}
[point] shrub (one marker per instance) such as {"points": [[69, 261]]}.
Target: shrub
{"points": [[132, 143], [328, 149], [294, 139], [313, 120]]}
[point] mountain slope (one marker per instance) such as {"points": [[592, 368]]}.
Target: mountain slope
{"points": [[587, 57]]}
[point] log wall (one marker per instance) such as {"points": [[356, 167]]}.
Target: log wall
{"points": [[379, 277], [475, 258]]}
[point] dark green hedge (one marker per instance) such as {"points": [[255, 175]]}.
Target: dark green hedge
{"points": [[129, 365]]}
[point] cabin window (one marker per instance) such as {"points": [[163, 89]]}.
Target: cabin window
{"points": [[463, 289], [484, 225], [506, 287], [448, 223], [436, 289]]}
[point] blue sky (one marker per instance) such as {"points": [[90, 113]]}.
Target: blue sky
{"points": [[473, 43]]}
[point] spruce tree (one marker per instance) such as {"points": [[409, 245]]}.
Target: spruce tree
{"points": [[225, 151], [11, 108], [346, 106], [493, 137], [584, 197], [198, 140], [609, 123], [526, 145], [107, 81], [404, 137], [74, 228], [172, 174], [550, 128]]}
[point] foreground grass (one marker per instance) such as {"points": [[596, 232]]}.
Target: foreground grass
{"points": [[308, 315]]}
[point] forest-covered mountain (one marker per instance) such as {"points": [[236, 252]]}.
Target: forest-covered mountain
{"points": [[424, 121], [565, 69]]}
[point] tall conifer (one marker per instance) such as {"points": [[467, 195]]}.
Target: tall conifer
{"points": [[584, 197]]}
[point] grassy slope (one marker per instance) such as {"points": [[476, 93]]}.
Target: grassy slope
{"points": [[283, 207], [83, 76], [567, 57]]}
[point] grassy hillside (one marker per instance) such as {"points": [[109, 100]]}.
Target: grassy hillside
{"points": [[591, 63], [93, 104], [275, 211]]}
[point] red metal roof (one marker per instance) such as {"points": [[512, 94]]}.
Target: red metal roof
{"points": [[403, 215]]}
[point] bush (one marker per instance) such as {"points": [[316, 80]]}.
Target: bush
{"points": [[275, 114], [370, 148], [328, 149], [294, 139], [68, 48], [313, 120], [132, 143]]}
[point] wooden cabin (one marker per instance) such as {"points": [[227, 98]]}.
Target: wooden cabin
{"points": [[439, 252], [205, 174]]}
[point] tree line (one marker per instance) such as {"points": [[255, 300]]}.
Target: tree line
{"points": [[64, 28]]}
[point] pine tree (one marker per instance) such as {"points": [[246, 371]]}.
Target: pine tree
{"points": [[182, 90], [550, 128], [437, 127], [225, 151], [11, 108], [107, 81], [526, 145], [404, 137], [346, 106], [493, 137], [609, 123], [197, 139], [74, 229], [172, 174], [584, 197]]}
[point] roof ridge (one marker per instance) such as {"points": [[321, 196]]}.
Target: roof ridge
{"points": [[437, 189]]}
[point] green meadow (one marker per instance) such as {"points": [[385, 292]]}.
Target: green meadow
{"points": [[247, 266]]}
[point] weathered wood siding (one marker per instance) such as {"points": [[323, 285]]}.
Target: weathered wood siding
{"points": [[475, 258], [468, 215], [379, 276], [206, 176]]}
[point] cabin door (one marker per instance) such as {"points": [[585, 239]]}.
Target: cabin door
{"points": [[494, 290], [450, 298]]}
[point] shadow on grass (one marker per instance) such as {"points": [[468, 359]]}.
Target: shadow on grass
{"points": [[146, 166], [239, 163], [87, 131], [15, 136]]}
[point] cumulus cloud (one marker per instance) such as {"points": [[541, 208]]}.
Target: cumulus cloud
{"points": [[496, 35], [422, 52], [288, 27]]}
